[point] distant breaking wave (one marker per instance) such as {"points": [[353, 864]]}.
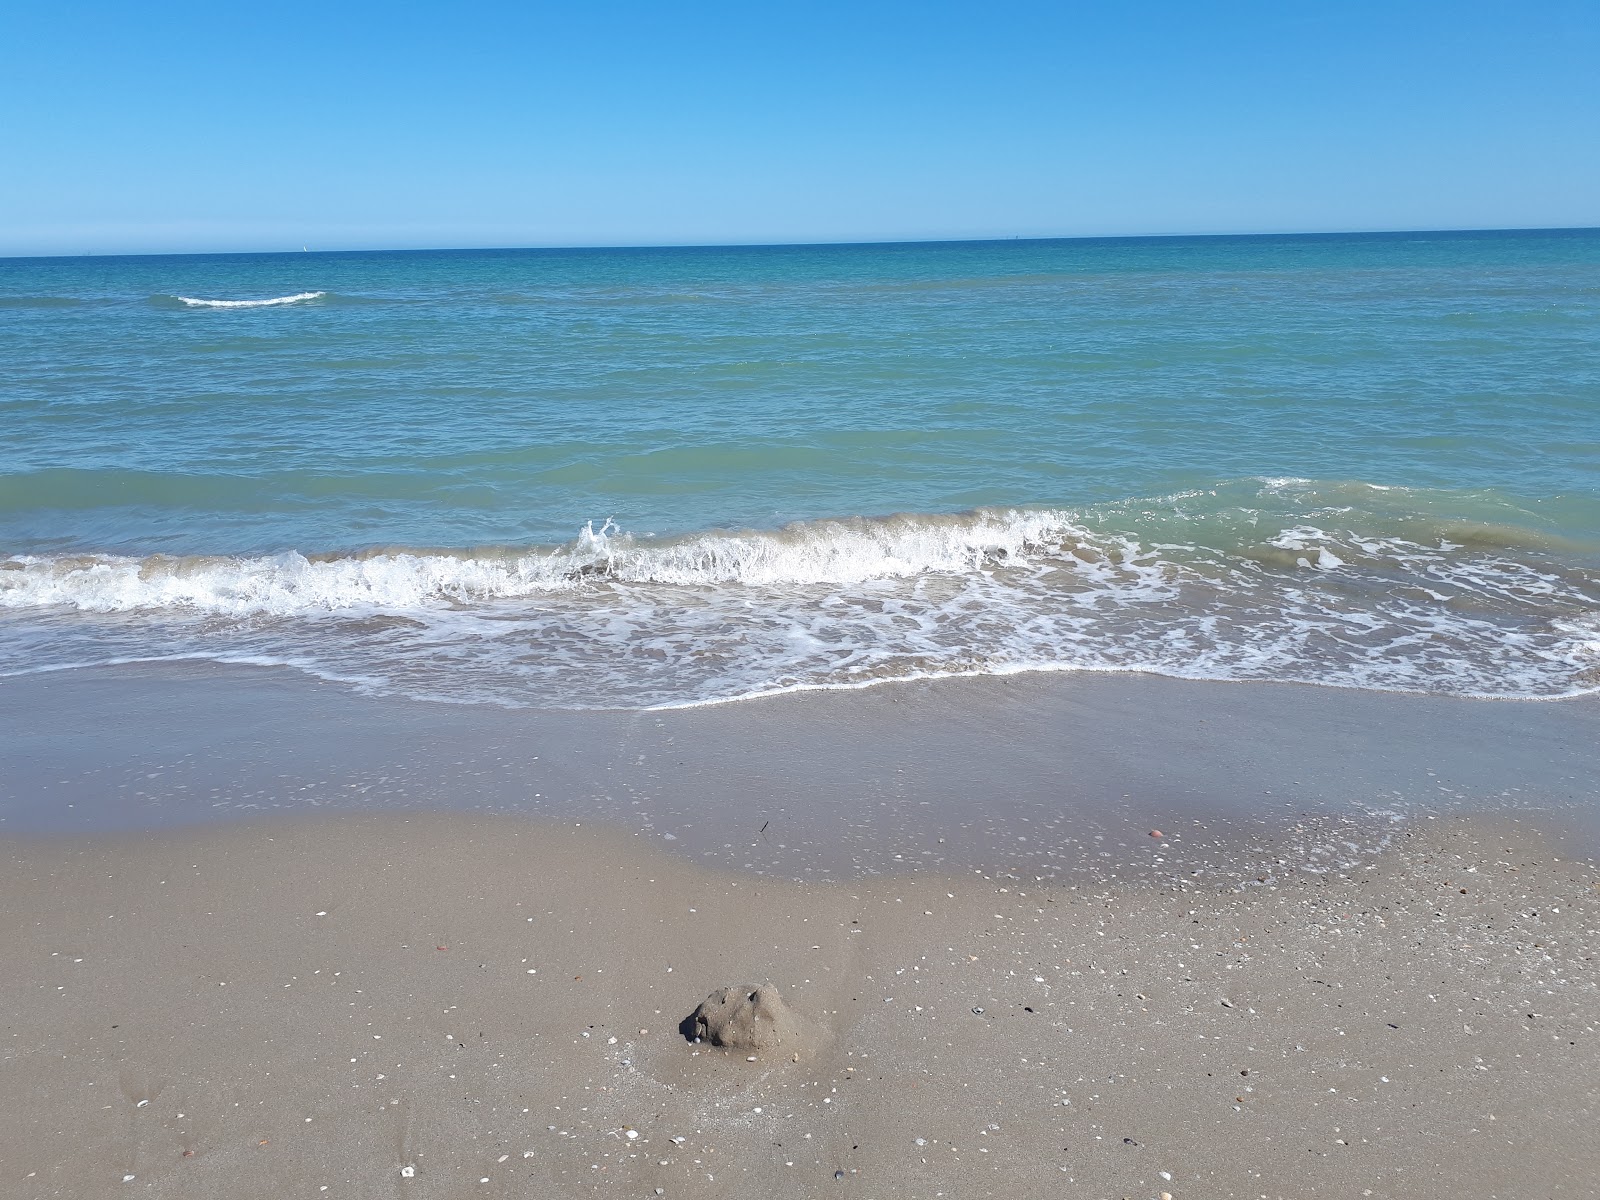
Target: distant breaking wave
{"points": [[192, 302], [612, 621]]}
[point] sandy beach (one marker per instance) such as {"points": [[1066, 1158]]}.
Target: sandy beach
{"points": [[887, 602], [448, 1006], [415, 1002]]}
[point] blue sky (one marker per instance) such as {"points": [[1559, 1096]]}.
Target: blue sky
{"points": [[219, 126]]}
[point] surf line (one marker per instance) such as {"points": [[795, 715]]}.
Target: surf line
{"points": [[295, 299]]}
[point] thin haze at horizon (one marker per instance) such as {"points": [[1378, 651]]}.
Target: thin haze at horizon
{"points": [[201, 127]]}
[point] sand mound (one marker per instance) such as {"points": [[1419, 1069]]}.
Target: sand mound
{"points": [[749, 1018]]}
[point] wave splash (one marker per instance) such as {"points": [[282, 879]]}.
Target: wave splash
{"points": [[853, 551], [610, 620], [297, 298]]}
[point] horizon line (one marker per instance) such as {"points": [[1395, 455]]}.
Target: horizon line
{"points": [[820, 244]]}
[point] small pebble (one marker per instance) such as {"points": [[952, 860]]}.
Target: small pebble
{"points": [[407, 1172]]}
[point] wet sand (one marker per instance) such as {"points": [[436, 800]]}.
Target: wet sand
{"points": [[1040, 775], [449, 952]]}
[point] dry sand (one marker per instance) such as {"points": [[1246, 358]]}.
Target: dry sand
{"points": [[454, 1006]]}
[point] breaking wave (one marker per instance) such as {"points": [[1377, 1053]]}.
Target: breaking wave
{"points": [[193, 302], [609, 620], [853, 551]]}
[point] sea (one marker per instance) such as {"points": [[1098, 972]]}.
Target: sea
{"points": [[651, 478]]}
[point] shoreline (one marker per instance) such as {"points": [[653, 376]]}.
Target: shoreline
{"points": [[1057, 776], [1109, 937]]}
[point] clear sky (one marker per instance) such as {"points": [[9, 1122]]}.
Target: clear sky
{"points": [[162, 126]]}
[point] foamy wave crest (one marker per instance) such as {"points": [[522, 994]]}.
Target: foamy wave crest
{"points": [[613, 621], [823, 552], [193, 302]]}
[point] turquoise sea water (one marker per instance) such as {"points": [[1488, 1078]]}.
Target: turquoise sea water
{"points": [[644, 477]]}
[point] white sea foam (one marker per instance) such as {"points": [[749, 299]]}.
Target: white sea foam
{"points": [[822, 552], [294, 299], [610, 620], [1305, 539]]}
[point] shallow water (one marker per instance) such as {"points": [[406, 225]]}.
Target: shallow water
{"points": [[630, 478]]}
